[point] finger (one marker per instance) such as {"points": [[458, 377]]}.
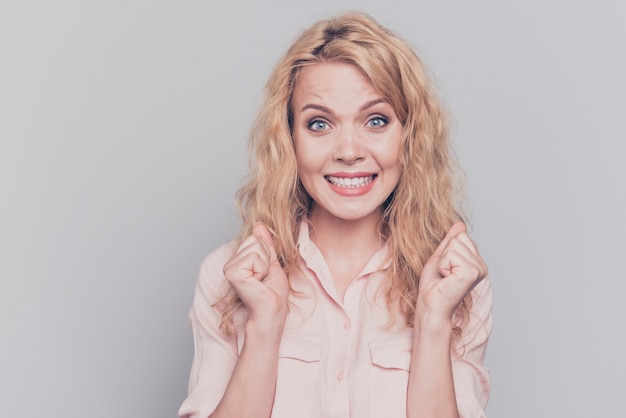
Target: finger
{"points": [[455, 229], [462, 263], [251, 264], [470, 250], [261, 231], [253, 244], [252, 259], [468, 242], [464, 246], [432, 267]]}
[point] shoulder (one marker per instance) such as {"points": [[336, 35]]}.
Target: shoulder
{"points": [[211, 279], [215, 261]]}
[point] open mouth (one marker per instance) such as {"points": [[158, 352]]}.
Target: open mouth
{"points": [[350, 182]]}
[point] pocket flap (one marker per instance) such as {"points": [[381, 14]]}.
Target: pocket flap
{"points": [[391, 355], [303, 349]]}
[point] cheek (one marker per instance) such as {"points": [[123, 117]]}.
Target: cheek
{"points": [[308, 158], [302, 157], [305, 169], [393, 159], [300, 153], [389, 158], [302, 168], [391, 152]]}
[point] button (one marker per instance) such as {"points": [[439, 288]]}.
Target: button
{"points": [[339, 375], [346, 324]]}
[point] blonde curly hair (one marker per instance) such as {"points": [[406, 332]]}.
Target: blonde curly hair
{"points": [[424, 204]]}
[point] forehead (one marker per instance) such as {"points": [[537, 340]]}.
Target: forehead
{"points": [[333, 84]]}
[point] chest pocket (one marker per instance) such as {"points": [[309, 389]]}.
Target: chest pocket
{"points": [[389, 375], [308, 350], [393, 354], [297, 385]]}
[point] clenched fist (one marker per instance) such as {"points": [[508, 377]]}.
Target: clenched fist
{"points": [[258, 278], [450, 274]]}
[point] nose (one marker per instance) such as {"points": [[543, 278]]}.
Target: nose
{"points": [[348, 148]]}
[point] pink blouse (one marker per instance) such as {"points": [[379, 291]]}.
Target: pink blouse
{"points": [[337, 358]]}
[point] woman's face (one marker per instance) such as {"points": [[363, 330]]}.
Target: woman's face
{"points": [[347, 142]]}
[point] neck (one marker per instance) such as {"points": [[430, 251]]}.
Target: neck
{"points": [[358, 239]]}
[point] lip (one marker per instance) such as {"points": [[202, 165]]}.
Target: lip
{"points": [[350, 175], [351, 190]]}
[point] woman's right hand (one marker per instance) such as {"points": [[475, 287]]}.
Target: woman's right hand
{"points": [[259, 280], [261, 283]]}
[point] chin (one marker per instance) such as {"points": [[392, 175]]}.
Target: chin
{"points": [[358, 215]]}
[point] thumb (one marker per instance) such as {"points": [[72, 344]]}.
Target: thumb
{"points": [[264, 234], [432, 265], [455, 229]]}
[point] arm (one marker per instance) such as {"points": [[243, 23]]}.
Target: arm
{"points": [[223, 384], [431, 386], [261, 283], [471, 377], [250, 391], [449, 275]]}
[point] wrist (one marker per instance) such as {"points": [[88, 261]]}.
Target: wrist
{"points": [[433, 322], [265, 330]]}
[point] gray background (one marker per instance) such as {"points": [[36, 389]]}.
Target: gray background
{"points": [[123, 128]]}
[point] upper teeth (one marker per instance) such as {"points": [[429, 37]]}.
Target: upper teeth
{"points": [[350, 182]]}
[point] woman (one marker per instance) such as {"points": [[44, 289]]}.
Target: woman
{"points": [[355, 290]]}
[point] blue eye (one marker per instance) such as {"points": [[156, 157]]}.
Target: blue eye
{"points": [[317, 125], [377, 122]]}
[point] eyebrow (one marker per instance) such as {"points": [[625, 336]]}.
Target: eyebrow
{"points": [[371, 103], [316, 107], [330, 112]]}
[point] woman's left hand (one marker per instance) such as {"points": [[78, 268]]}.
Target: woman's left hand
{"points": [[449, 274]]}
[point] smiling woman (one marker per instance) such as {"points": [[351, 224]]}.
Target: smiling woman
{"points": [[354, 290], [347, 143]]}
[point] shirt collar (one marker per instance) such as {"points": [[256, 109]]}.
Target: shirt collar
{"points": [[381, 259]]}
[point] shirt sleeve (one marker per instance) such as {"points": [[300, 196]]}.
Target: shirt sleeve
{"points": [[215, 353], [471, 377]]}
